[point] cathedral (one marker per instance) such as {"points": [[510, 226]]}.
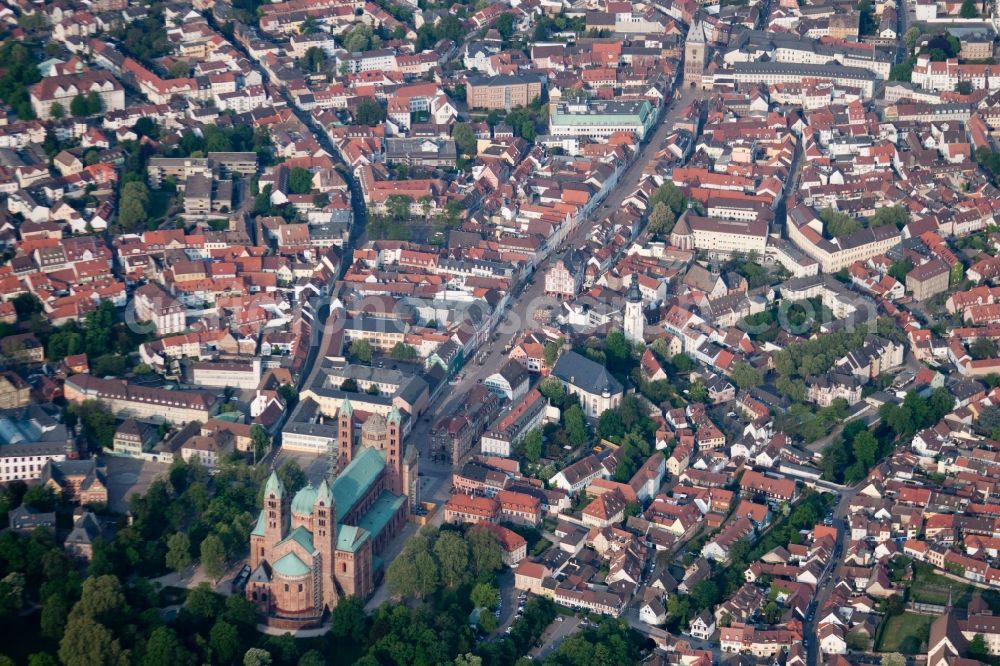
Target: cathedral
{"points": [[308, 551]]}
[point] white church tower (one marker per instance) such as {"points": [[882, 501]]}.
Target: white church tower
{"points": [[635, 321]]}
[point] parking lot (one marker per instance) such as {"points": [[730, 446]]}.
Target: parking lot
{"points": [[128, 476]]}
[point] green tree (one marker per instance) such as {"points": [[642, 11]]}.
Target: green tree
{"points": [[300, 180], [533, 445], [94, 103], [911, 36], [178, 551], [896, 215], [78, 106], [745, 375], [398, 206], [977, 646], [485, 554], [551, 352], [257, 657], [57, 111], [369, 112], [865, 448], [224, 642], [348, 620], [576, 425], [983, 348], [453, 558], [361, 350], [292, 476], [315, 59], [505, 25], [465, 139], [260, 441], [213, 556], [661, 220], [838, 224], [484, 595], [402, 352], [969, 10], [88, 643], [132, 204], [163, 647], [316, 658]]}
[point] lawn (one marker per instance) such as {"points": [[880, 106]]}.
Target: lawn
{"points": [[930, 587], [905, 633]]}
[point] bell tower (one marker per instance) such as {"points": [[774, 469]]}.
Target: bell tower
{"points": [[274, 506], [634, 320], [325, 542], [394, 451], [345, 438]]}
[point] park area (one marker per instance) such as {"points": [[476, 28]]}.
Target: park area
{"points": [[905, 633], [930, 587]]}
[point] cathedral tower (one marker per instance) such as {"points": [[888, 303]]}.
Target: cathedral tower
{"points": [[325, 541], [346, 437], [394, 452]]}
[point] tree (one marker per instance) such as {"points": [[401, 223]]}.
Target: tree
{"points": [[398, 206], [551, 352], [213, 556], [40, 498], [505, 25], [300, 181], [402, 352], [453, 557], [576, 425], [202, 603], [982, 348], [969, 10], [163, 647], [745, 375], [88, 643], [102, 600], [369, 112], [26, 305], [865, 448], [178, 551], [361, 350], [78, 106], [911, 36], [533, 445], [94, 103], [57, 111], [292, 476], [661, 220], [484, 595], [132, 204], [465, 139], [682, 362], [977, 646], [315, 59], [838, 224], [484, 551], [260, 441], [316, 658], [893, 659], [224, 642], [257, 657], [348, 619], [896, 215]]}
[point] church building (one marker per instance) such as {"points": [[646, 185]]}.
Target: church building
{"points": [[310, 550]]}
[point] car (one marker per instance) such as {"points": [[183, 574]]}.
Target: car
{"points": [[560, 618]]}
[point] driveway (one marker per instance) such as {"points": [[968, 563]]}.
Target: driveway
{"points": [[555, 634]]}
